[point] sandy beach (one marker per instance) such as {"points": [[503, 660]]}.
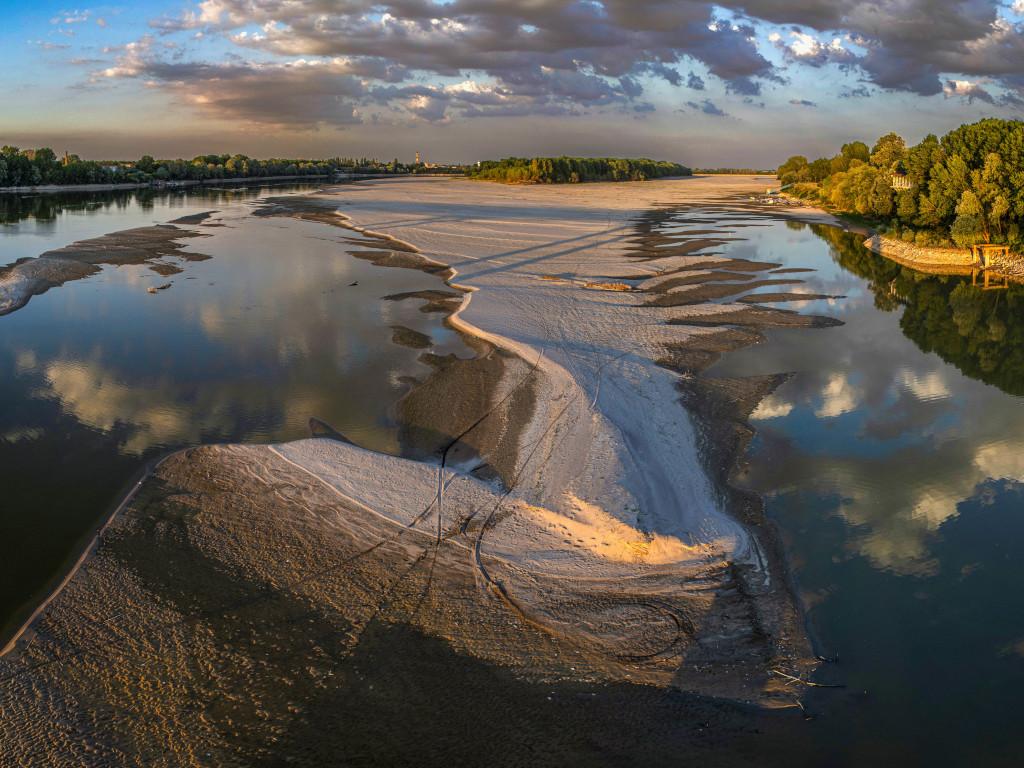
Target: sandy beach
{"points": [[565, 514]]}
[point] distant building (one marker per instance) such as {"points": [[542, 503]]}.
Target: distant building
{"points": [[417, 158], [901, 182]]}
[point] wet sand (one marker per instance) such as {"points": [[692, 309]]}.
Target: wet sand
{"points": [[24, 279], [573, 528]]}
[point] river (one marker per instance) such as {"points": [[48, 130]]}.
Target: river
{"points": [[891, 461], [890, 458], [99, 377]]}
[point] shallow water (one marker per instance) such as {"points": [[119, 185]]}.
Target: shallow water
{"points": [[99, 376], [892, 461]]}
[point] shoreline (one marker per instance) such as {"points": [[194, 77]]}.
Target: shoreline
{"points": [[44, 189], [940, 261]]}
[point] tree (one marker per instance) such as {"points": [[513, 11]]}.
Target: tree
{"points": [[906, 205], [819, 170], [146, 164], [856, 150], [790, 171], [888, 152], [969, 227]]}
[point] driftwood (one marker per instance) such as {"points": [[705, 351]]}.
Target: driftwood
{"points": [[800, 680]]}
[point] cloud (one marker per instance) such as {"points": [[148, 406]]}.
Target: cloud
{"points": [[967, 90], [807, 49], [907, 44], [707, 106], [559, 53], [71, 17], [860, 92], [297, 93], [576, 56], [46, 45]]}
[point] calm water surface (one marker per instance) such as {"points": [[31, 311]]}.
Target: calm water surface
{"points": [[98, 377], [892, 461]]}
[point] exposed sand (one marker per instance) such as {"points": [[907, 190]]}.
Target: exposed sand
{"points": [[24, 279], [576, 523]]}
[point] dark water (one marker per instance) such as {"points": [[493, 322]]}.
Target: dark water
{"points": [[893, 462], [98, 377]]}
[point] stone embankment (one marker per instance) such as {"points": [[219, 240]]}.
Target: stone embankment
{"points": [[942, 260]]}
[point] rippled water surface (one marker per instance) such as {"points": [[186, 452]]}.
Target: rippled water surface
{"points": [[99, 376]]}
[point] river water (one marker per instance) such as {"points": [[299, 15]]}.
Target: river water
{"points": [[892, 461], [892, 458], [98, 376]]}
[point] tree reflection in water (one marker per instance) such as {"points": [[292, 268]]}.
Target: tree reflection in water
{"points": [[979, 331]]}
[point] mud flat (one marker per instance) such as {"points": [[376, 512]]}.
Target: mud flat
{"points": [[569, 533]]}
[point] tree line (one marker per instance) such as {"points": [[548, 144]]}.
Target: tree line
{"points": [[573, 170], [734, 172], [34, 167], [962, 189]]}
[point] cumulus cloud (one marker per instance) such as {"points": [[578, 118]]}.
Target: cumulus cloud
{"points": [[559, 53], [295, 93], [804, 48], [574, 56], [967, 90], [908, 44]]}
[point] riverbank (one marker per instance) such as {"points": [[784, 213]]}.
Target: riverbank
{"points": [[43, 189], [928, 259], [953, 261], [594, 540]]}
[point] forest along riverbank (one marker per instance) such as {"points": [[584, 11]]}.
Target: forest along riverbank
{"points": [[595, 549]]}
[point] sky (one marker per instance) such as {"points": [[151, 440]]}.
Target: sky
{"points": [[743, 83]]}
